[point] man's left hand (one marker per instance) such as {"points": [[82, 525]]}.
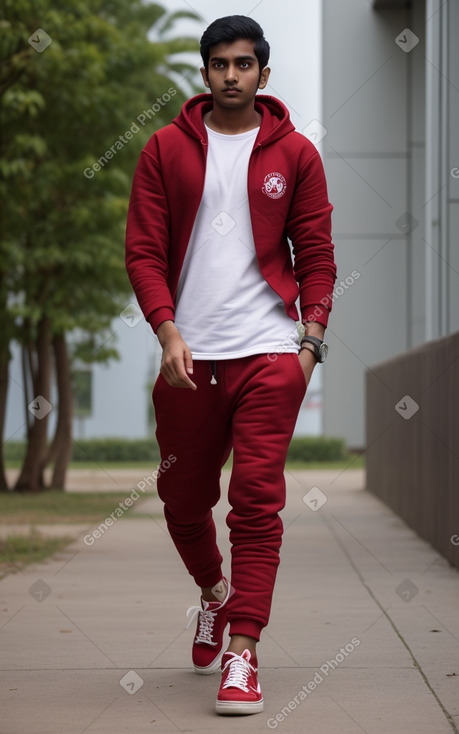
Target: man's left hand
{"points": [[308, 362]]}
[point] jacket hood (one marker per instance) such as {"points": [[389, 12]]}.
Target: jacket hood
{"points": [[274, 125]]}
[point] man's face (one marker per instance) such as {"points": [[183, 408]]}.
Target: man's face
{"points": [[234, 74]]}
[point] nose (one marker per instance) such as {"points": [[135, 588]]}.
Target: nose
{"points": [[231, 74]]}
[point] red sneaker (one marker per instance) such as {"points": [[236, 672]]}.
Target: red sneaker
{"points": [[240, 691], [208, 643]]}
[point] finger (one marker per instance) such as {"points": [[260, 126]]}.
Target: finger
{"points": [[175, 375], [188, 361], [183, 380], [189, 369]]}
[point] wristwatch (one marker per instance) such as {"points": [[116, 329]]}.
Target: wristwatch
{"points": [[320, 350]]}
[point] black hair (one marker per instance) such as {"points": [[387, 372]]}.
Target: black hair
{"points": [[232, 28]]}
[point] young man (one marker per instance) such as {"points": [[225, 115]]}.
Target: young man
{"points": [[214, 198]]}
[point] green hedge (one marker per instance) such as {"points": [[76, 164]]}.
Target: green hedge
{"points": [[305, 448], [116, 449], [317, 448], [13, 450], [98, 449]]}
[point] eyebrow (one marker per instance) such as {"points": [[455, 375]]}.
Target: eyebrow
{"points": [[238, 58]]}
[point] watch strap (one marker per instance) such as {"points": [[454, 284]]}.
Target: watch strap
{"points": [[318, 347], [314, 340]]}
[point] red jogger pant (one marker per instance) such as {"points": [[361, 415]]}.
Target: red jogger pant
{"points": [[253, 409]]}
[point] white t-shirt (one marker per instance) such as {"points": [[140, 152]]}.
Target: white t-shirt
{"points": [[225, 309]]}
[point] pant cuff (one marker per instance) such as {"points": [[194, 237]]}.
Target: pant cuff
{"points": [[247, 627], [210, 579]]}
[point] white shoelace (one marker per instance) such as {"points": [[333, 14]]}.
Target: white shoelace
{"points": [[206, 624], [238, 674]]}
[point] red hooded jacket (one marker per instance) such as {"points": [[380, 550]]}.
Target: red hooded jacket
{"points": [[287, 196]]}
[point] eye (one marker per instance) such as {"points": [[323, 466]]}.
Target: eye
{"points": [[245, 64]]}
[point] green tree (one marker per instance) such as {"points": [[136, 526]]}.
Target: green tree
{"points": [[75, 115]]}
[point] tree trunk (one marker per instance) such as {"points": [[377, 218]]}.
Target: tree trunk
{"points": [[31, 475], [6, 333], [60, 451], [4, 363], [27, 349]]}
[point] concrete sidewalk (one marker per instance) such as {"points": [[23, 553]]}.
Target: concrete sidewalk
{"points": [[364, 631]]}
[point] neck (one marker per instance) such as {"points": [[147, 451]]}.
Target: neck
{"points": [[232, 122]]}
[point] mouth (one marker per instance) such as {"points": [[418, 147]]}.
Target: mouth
{"points": [[231, 92]]}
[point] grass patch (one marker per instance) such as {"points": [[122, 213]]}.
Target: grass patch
{"points": [[17, 551], [53, 506]]}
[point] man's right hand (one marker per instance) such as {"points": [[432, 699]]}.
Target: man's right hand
{"points": [[176, 362]]}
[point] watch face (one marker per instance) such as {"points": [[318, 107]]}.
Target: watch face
{"points": [[323, 351]]}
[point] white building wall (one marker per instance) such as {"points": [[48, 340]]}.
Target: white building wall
{"points": [[452, 169], [391, 107], [442, 180], [366, 159]]}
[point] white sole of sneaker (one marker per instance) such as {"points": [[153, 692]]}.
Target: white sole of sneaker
{"points": [[236, 707], [212, 668]]}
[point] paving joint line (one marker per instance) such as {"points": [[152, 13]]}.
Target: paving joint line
{"points": [[416, 663]]}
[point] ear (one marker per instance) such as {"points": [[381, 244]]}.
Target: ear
{"points": [[264, 77], [204, 76]]}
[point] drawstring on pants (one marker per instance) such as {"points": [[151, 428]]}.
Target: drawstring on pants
{"points": [[213, 367]]}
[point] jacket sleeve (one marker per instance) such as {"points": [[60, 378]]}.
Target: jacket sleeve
{"points": [[309, 229], [147, 238]]}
